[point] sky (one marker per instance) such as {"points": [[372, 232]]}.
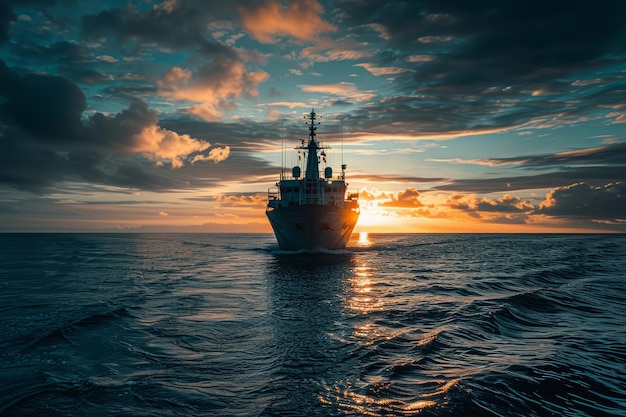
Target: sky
{"points": [[452, 116]]}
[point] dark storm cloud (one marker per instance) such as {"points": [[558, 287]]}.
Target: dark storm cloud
{"points": [[46, 139], [63, 52], [74, 61], [597, 176], [35, 3], [120, 129], [492, 42], [130, 91], [6, 17], [182, 25], [85, 75], [436, 116], [606, 202], [597, 166], [467, 62], [610, 155], [42, 104]]}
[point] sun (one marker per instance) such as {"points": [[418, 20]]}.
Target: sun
{"points": [[375, 219]]}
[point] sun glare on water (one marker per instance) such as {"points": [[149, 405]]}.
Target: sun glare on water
{"points": [[364, 239]]}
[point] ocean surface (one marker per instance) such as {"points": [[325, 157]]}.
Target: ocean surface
{"points": [[396, 325]]}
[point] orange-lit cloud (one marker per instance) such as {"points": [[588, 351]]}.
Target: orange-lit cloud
{"points": [[420, 58], [168, 6], [504, 204], [216, 155], [161, 145], [299, 19], [409, 198], [367, 195], [330, 50], [237, 200], [382, 30], [436, 39], [344, 89], [411, 203], [213, 86], [378, 71]]}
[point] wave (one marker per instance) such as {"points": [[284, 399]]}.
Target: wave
{"points": [[61, 333]]}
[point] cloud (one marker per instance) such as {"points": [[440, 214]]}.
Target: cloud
{"points": [[373, 195], [214, 85], [408, 198], [300, 19], [6, 17], [419, 58], [216, 155], [217, 74], [610, 154], [41, 103], [135, 131], [380, 29], [378, 71], [606, 202], [241, 199], [597, 166], [45, 139], [344, 89], [436, 39], [161, 145], [336, 50], [507, 209], [484, 162], [171, 24], [505, 204], [482, 66], [395, 178], [512, 43]]}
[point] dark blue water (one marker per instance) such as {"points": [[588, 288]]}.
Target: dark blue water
{"points": [[398, 325]]}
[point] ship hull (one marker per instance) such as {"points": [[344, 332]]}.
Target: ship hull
{"points": [[312, 227]]}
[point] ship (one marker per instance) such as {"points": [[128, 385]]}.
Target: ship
{"points": [[312, 213]]}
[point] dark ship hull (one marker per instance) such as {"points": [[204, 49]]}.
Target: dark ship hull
{"points": [[313, 227]]}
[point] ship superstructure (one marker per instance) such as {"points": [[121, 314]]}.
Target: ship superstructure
{"points": [[311, 212]]}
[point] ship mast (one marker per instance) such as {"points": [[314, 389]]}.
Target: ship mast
{"points": [[312, 167]]}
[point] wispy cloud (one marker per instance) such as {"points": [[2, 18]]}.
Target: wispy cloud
{"points": [[381, 71], [343, 89]]}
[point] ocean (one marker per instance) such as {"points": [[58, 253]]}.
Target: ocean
{"points": [[395, 325]]}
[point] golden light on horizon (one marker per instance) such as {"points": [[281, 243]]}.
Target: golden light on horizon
{"points": [[375, 219]]}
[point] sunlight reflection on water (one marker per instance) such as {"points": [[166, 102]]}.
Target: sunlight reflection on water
{"points": [[378, 392], [364, 240]]}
